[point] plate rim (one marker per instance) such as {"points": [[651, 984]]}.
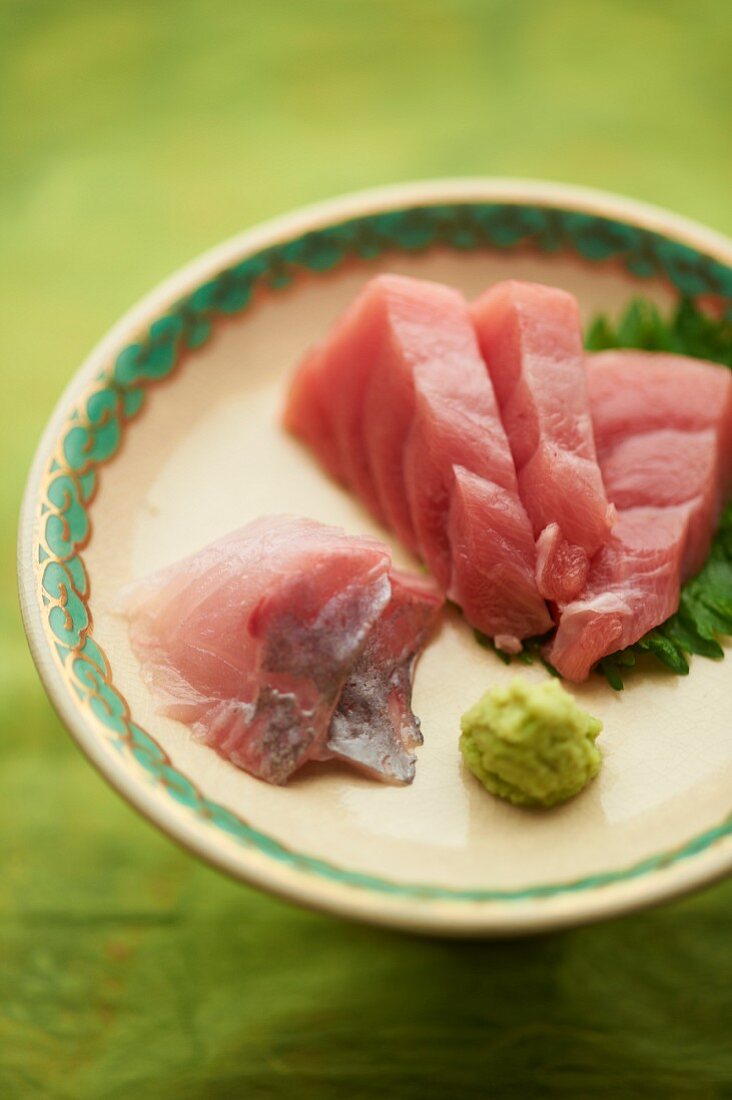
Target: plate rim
{"points": [[484, 917]]}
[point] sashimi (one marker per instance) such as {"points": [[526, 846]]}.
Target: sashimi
{"points": [[663, 428], [488, 525], [403, 346], [431, 365], [402, 376], [561, 567], [531, 339], [634, 585], [635, 393], [373, 726], [326, 398], [251, 640], [666, 468], [455, 422], [307, 416]]}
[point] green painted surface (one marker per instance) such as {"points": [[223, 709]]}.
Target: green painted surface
{"points": [[134, 135]]}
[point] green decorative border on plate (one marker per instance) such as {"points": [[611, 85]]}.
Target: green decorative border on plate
{"points": [[94, 429]]}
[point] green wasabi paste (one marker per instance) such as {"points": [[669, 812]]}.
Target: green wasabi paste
{"points": [[530, 743]]}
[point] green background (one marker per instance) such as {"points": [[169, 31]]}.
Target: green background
{"points": [[135, 135]]}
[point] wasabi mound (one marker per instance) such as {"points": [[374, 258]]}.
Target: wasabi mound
{"points": [[530, 744]]}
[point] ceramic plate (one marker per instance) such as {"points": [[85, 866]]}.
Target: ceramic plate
{"points": [[168, 436]]}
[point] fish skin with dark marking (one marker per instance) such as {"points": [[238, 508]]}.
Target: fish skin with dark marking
{"points": [[373, 726], [251, 640]]}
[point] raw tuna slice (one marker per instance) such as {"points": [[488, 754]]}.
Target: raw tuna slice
{"points": [[455, 422], [307, 416], [633, 586], [663, 428], [636, 393], [373, 726], [406, 348], [403, 377], [666, 468], [326, 399], [494, 562], [561, 567], [429, 377], [250, 640], [531, 340]]}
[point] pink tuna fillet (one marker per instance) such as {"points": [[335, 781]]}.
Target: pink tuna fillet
{"points": [[531, 340], [666, 468], [430, 384], [634, 393], [403, 376], [487, 525], [250, 640], [373, 726], [561, 568], [326, 399], [454, 421], [633, 586], [308, 416], [663, 426], [664, 431]]}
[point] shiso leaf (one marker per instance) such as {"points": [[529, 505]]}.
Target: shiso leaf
{"points": [[667, 651], [610, 670]]}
